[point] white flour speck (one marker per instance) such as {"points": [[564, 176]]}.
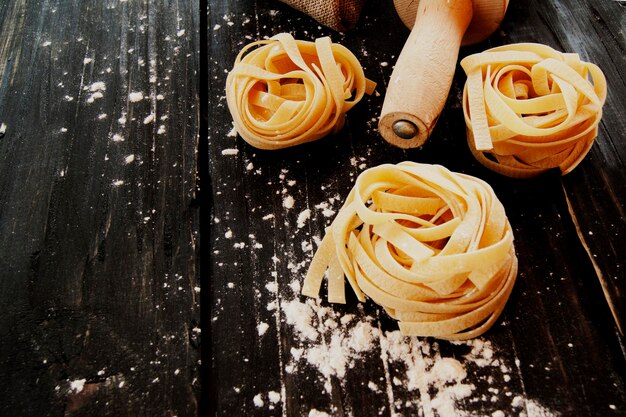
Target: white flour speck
{"points": [[135, 96], [272, 287], [228, 234], [316, 413], [117, 183], [262, 328], [87, 60], [288, 202], [273, 396], [180, 33], [97, 86], [258, 401], [232, 133], [46, 43], [118, 138], [303, 217], [129, 159], [148, 119], [161, 130], [230, 151], [93, 97], [77, 385]]}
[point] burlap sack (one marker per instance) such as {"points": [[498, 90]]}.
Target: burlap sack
{"points": [[340, 15]]}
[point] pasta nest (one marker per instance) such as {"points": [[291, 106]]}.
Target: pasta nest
{"points": [[431, 246], [529, 108], [283, 92]]}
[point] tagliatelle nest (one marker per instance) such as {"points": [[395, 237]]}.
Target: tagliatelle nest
{"points": [[529, 108], [431, 246], [284, 92]]}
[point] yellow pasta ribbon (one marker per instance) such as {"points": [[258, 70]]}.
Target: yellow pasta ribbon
{"points": [[529, 108], [284, 92], [431, 246]]}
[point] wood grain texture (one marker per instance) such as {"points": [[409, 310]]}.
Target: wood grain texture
{"points": [[98, 294], [558, 344], [101, 220]]}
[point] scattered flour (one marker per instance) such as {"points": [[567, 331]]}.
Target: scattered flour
{"points": [[333, 343], [326, 210]]}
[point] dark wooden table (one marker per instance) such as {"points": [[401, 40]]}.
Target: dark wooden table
{"points": [[134, 224]]}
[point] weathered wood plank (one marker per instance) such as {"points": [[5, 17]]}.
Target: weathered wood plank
{"points": [[556, 349], [595, 191], [97, 223]]}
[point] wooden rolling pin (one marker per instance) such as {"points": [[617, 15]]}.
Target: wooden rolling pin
{"points": [[421, 79]]}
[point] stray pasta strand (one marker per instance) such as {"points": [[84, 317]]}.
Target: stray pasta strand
{"points": [[433, 247], [529, 108], [284, 92]]}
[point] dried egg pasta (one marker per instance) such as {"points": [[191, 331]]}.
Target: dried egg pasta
{"points": [[433, 247], [283, 92], [529, 108]]}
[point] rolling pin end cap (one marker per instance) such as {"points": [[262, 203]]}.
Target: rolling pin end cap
{"points": [[405, 129]]}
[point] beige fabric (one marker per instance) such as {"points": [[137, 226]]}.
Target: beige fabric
{"points": [[340, 15]]}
